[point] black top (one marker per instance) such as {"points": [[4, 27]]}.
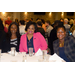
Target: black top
{"points": [[41, 30], [2, 33], [13, 43], [2, 38], [8, 43]]}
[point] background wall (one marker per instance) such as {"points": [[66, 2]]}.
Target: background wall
{"points": [[65, 15], [29, 15], [52, 16], [6, 14]]}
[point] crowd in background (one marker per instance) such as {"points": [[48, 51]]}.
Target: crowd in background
{"points": [[12, 34], [68, 23]]}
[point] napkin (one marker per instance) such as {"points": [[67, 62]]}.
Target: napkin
{"points": [[55, 58], [39, 52]]}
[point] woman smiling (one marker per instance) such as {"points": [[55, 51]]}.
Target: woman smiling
{"points": [[12, 38], [64, 46], [32, 39]]}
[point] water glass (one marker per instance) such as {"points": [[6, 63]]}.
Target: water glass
{"points": [[13, 51], [44, 53], [30, 51], [24, 56]]}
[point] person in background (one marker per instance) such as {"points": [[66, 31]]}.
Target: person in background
{"points": [[49, 27], [43, 24], [40, 29], [31, 19], [12, 38], [48, 30], [38, 19], [7, 22], [16, 20], [61, 20], [52, 25], [64, 46], [32, 39], [68, 20], [71, 22], [53, 36], [26, 20], [73, 27], [67, 26], [22, 27], [1, 23]]}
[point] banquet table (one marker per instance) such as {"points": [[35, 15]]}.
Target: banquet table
{"points": [[6, 57]]}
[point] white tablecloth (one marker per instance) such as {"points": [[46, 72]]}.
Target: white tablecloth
{"points": [[5, 57]]}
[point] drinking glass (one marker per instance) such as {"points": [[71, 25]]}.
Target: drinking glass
{"points": [[24, 56], [13, 51], [30, 51], [44, 53]]}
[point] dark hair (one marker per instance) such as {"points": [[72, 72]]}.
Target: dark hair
{"points": [[31, 23], [16, 20], [43, 21], [31, 18], [9, 32], [37, 19], [22, 22], [61, 19], [61, 26], [56, 22], [39, 23], [1, 25], [48, 22]]}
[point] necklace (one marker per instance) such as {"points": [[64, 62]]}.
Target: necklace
{"points": [[61, 44]]}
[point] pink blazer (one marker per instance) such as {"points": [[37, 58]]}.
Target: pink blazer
{"points": [[38, 42]]}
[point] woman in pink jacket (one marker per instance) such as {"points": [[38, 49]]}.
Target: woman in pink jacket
{"points": [[32, 39]]}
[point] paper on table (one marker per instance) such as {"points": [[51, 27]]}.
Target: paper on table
{"points": [[39, 52], [56, 58]]}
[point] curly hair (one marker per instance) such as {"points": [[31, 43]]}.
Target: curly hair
{"points": [[29, 24]]}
